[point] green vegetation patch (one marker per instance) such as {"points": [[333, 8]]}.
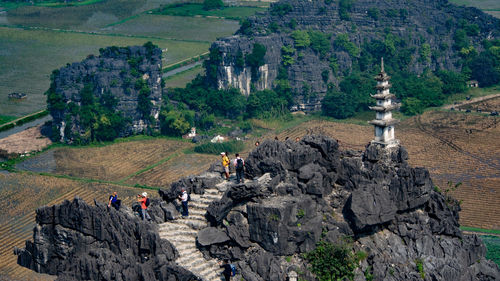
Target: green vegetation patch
{"points": [[192, 9], [475, 229], [216, 148], [174, 27], [5, 119], [492, 248]]}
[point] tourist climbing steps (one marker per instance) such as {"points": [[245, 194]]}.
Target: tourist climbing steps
{"points": [[182, 234]]}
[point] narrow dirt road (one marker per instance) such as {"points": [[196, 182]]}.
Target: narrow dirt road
{"points": [[474, 100]]}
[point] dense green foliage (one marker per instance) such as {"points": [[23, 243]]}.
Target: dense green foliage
{"points": [[332, 262], [492, 247], [345, 7], [256, 59], [98, 119], [212, 4], [215, 148]]}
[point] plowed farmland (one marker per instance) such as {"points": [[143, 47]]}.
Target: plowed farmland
{"points": [[180, 166], [110, 163]]}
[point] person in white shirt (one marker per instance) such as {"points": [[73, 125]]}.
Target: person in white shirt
{"points": [[184, 200], [239, 165]]}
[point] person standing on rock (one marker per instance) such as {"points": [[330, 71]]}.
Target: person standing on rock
{"points": [[184, 200], [144, 200], [113, 201], [225, 164], [239, 165], [227, 270]]}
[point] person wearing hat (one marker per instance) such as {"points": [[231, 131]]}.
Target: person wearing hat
{"points": [[143, 199], [184, 200], [225, 164]]}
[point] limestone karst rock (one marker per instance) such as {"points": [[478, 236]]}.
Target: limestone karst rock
{"points": [[309, 71], [295, 194], [123, 80]]}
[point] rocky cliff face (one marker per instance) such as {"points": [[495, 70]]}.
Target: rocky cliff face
{"points": [[79, 242], [295, 195], [310, 191], [432, 22], [130, 76]]}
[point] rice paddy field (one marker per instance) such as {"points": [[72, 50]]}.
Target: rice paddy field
{"points": [[35, 40]]}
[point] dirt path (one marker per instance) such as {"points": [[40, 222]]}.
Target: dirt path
{"points": [[474, 100]]}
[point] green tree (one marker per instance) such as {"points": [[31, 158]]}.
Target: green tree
{"points": [[287, 53], [339, 105], [212, 4], [453, 82], [301, 38], [412, 106], [332, 262], [343, 42], [320, 42], [256, 59]]}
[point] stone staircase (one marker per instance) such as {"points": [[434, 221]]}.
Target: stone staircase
{"points": [[183, 231]]}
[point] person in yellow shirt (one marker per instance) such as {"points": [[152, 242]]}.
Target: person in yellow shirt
{"points": [[225, 164]]}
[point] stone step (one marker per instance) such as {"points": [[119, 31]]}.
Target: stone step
{"points": [[169, 234], [200, 205], [187, 239], [212, 191], [185, 246], [188, 251], [175, 225], [212, 196], [198, 211]]}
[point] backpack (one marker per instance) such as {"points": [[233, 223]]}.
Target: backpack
{"points": [[147, 202], [233, 269], [189, 197], [239, 164]]}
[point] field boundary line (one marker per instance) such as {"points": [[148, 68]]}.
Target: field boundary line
{"points": [[21, 118], [171, 156], [96, 33]]}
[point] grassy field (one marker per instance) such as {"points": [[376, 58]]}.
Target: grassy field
{"points": [[182, 78], [189, 10], [5, 119], [182, 28], [29, 56], [481, 4]]}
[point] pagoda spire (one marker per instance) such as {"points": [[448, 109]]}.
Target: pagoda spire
{"points": [[383, 122]]}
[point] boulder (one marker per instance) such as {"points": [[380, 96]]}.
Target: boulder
{"points": [[211, 235]]}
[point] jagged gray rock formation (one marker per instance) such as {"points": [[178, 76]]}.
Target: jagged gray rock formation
{"points": [[115, 73], [310, 191], [77, 241], [433, 22], [295, 195]]}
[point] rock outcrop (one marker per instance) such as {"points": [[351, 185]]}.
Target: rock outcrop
{"points": [[79, 242], [122, 80], [309, 191], [411, 23], [295, 195]]}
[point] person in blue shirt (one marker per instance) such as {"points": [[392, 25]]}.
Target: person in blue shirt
{"points": [[113, 201]]}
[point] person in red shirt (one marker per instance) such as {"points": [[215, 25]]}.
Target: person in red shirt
{"points": [[143, 199]]}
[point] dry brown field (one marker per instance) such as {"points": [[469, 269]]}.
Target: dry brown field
{"points": [[26, 192], [113, 162], [179, 166]]}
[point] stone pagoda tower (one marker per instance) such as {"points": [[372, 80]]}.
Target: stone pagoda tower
{"points": [[383, 122]]}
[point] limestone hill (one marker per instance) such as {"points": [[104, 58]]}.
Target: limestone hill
{"points": [[296, 194], [314, 43]]}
